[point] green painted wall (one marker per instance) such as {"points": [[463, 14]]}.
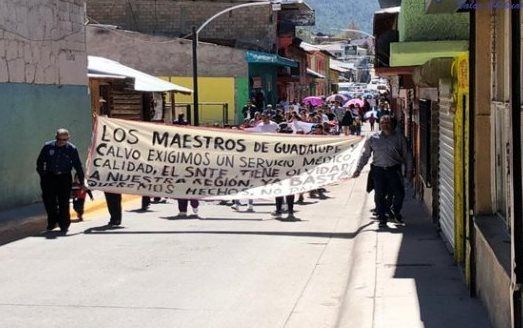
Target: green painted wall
{"points": [[242, 96], [416, 25], [30, 116]]}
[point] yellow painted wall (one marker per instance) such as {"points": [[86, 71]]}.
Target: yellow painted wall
{"points": [[211, 90], [460, 73]]}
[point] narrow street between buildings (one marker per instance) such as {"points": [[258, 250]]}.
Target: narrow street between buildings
{"points": [[334, 268]]}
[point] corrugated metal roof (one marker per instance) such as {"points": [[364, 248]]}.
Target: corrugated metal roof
{"points": [[142, 81], [315, 74]]}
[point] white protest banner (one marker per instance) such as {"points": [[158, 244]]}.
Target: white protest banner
{"points": [[303, 126], [149, 159]]}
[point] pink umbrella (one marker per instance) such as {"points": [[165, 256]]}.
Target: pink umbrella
{"points": [[354, 102], [337, 97], [314, 101]]}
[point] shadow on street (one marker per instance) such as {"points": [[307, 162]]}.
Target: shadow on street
{"points": [[340, 235], [441, 290]]}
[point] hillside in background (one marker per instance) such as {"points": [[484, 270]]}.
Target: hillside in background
{"points": [[343, 13]]}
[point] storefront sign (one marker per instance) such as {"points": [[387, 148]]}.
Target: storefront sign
{"points": [[257, 82], [463, 74], [257, 57]]}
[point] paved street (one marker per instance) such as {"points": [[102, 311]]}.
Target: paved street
{"points": [[251, 99], [231, 269]]}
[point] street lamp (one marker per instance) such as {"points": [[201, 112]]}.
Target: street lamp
{"points": [[195, 31]]}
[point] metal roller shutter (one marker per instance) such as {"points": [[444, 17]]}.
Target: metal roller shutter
{"points": [[446, 170]]}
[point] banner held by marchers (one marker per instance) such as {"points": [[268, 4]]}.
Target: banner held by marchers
{"points": [[141, 158]]}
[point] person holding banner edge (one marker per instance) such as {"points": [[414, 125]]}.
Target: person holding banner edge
{"points": [[114, 206], [183, 204], [288, 199], [390, 151]]}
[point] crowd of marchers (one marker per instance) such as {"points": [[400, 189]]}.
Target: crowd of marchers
{"points": [[326, 116], [332, 115]]}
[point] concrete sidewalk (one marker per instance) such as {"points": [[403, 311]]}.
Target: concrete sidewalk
{"points": [[404, 276]]}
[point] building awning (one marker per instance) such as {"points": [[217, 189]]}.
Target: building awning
{"points": [[393, 71], [315, 74], [106, 76], [103, 67], [391, 10], [257, 57], [389, 3], [338, 66], [429, 74], [338, 69], [417, 53], [311, 48], [447, 7], [345, 65]]}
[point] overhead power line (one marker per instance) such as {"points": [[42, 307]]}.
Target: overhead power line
{"points": [[25, 37]]}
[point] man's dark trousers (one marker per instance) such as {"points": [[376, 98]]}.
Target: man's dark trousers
{"points": [[388, 181], [114, 205], [183, 204], [290, 203], [56, 191], [146, 201]]}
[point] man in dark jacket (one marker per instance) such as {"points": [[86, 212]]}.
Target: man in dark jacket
{"points": [[249, 110], [54, 164]]}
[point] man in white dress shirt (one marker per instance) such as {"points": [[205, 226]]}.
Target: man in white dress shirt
{"points": [[267, 126]]}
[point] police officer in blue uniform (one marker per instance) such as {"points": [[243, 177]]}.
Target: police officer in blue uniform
{"points": [[54, 164]]}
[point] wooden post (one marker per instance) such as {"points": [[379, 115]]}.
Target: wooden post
{"points": [[168, 114], [173, 108]]}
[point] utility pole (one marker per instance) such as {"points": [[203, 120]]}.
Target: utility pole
{"points": [[195, 31], [196, 114]]}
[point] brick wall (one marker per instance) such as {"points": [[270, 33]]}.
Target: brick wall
{"points": [[163, 56], [43, 42], [252, 27]]}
